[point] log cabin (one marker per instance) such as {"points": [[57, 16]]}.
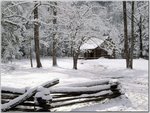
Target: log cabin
{"points": [[95, 48]]}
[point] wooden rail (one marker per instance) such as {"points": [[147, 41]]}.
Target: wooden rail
{"points": [[61, 96], [31, 92]]}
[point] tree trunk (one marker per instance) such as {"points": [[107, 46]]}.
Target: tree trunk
{"points": [[75, 60], [36, 36], [54, 35], [54, 51], [71, 53], [114, 53], [126, 47], [140, 33], [31, 57], [132, 37]]}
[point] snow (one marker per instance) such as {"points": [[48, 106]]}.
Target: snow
{"points": [[89, 83], [97, 94], [16, 100], [110, 105], [113, 81], [14, 90], [92, 43], [134, 82], [38, 94], [44, 94], [40, 88], [80, 89], [47, 97]]}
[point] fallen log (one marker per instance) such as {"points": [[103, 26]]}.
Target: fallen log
{"points": [[68, 97], [80, 90], [11, 90], [76, 101], [115, 94], [74, 91], [13, 103], [63, 96], [19, 91], [27, 109], [8, 95], [26, 103], [88, 83], [60, 104], [4, 101], [23, 109], [29, 103], [95, 95], [59, 95]]}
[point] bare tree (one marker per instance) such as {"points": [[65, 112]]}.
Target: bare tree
{"points": [[126, 47], [75, 59], [76, 53], [31, 57], [36, 36], [140, 37], [132, 37], [54, 34]]}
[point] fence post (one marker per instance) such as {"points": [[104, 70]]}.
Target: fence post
{"points": [[43, 99], [114, 88]]}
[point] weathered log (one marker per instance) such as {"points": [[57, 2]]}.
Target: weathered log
{"points": [[28, 109], [18, 91], [60, 104], [23, 108], [26, 103], [11, 90], [10, 98], [95, 95], [114, 86], [88, 83], [63, 96], [32, 104], [59, 95], [74, 91], [8, 95], [74, 100], [13, 103], [80, 90], [50, 83], [4, 101], [83, 100], [115, 94], [70, 97]]}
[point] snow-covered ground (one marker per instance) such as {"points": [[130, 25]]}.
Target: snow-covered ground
{"points": [[134, 82]]}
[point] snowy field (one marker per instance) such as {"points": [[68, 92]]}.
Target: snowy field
{"points": [[19, 74]]}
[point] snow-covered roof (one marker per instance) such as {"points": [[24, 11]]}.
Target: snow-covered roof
{"points": [[93, 43]]}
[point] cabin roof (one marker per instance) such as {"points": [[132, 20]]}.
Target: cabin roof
{"points": [[93, 43]]}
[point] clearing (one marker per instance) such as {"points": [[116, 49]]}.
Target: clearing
{"points": [[134, 82]]}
